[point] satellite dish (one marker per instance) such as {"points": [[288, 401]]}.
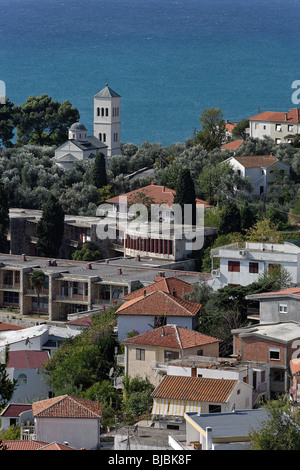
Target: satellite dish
{"points": [[111, 372]]}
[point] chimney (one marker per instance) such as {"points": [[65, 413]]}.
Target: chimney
{"points": [[119, 271], [138, 258], [145, 293], [162, 331], [88, 266], [54, 263], [161, 274], [48, 263], [208, 438], [285, 116], [24, 258], [174, 292]]}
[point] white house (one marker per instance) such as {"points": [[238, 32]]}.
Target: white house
{"points": [[177, 395], [26, 368], [277, 125], [243, 263], [36, 338], [78, 147], [68, 419], [254, 373], [262, 171], [16, 414]]}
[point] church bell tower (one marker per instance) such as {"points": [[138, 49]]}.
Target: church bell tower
{"points": [[107, 119]]}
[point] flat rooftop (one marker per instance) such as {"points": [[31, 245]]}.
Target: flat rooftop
{"points": [[281, 332], [209, 362], [230, 425]]}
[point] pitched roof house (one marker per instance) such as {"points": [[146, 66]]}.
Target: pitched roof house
{"points": [[154, 309], [14, 414], [170, 285], [176, 395], [34, 445], [25, 366], [277, 125], [60, 418], [148, 354], [278, 306], [261, 170]]}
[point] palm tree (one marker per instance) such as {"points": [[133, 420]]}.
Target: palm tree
{"points": [[37, 280]]}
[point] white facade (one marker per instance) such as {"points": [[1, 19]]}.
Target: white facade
{"points": [[77, 432], [107, 119], [30, 385], [276, 130], [242, 264], [261, 177]]}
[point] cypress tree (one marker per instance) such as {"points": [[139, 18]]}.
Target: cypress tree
{"points": [[4, 218], [50, 229], [99, 177], [185, 193]]}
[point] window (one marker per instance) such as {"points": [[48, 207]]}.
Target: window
{"points": [[10, 297], [106, 111], [278, 376], [43, 303], [98, 111], [140, 354], [238, 391], [170, 355], [290, 128], [104, 137], [282, 308], [200, 352], [234, 266], [256, 125], [278, 127], [278, 141], [22, 379], [100, 136], [261, 190], [253, 268], [214, 408], [102, 111], [274, 354]]}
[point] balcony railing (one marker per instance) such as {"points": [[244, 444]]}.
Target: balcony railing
{"points": [[28, 433], [14, 287]]}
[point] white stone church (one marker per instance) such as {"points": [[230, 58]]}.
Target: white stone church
{"points": [[106, 138]]}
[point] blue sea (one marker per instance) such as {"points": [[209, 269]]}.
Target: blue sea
{"points": [[168, 59]]}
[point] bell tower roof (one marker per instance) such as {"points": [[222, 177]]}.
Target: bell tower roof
{"points": [[107, 92]]}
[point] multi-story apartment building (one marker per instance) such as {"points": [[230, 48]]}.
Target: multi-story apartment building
{"points": [[277, 125], [243, 263], [75, 286]]}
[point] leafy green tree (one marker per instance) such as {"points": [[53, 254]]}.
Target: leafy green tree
{"points": [[9, 114], [230, 219], [213, 130], [263, 232], [44, 121], [87, 252], [277, 217], [248, 217], [37, 280], [280, 431], [99, 177], [4, 218], [50, 228], [84, 360], [239, 130]]}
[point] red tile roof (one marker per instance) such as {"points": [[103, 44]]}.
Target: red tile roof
{"points": [[13, 410], [159, 303], [229, 126], [10, 326], [27, 359], [66, 406], [170, 285], [292, 116], [158, 194], [172, 336], [290, 291], [194, 388], [232, 145], [34, 445], [256, 161]]}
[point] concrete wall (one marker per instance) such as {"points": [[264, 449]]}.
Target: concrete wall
{"points": [[269, 310]]}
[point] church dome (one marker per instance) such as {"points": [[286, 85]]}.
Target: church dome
{"points": [[77, 126]]}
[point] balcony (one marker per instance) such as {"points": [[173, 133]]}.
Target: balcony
{"points": [[10, 287], [28, 433]]}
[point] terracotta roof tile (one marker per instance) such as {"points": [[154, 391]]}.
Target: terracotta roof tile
{"points": [[170, 285], [13, 410], [194, 388], [232, 145], [292, 116], [291, 290], [23, 445], [295, 366], [256, 161], [66, 406], [159, 303], [27, 359], [160, 194], [10, 326], [172, 336]]}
